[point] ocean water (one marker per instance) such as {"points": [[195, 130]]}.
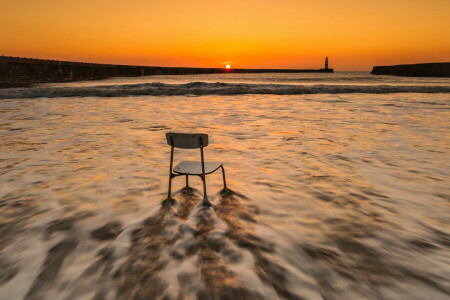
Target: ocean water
{"points": [[235, 84], [340, 188]]}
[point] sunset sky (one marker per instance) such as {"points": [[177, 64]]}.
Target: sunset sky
{"points": [[355, 35]]}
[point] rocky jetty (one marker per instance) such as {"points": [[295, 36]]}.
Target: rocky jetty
{"points": [[415, 70], [18, 71]]}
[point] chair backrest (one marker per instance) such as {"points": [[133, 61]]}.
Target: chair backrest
{"points": [[187, 140]]}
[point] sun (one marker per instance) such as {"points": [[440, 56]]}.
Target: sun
{"points": [[227, 67]]}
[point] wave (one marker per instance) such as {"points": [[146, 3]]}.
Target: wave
{"points": [[204, 88]]}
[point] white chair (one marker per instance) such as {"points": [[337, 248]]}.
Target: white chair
{"points": [[202, 168]]}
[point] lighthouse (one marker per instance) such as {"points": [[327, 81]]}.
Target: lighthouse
{"points": [[326, 69]]}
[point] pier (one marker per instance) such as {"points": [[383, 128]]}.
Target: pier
{"points": [[18, 71]]}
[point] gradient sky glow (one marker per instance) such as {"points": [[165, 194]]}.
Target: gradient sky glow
{"points": [[244, 33]]}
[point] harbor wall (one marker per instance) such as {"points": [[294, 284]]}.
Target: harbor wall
{"points": [[415, 70], [17, 71]]}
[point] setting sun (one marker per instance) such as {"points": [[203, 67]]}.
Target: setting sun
{"points": [[227, 67]]}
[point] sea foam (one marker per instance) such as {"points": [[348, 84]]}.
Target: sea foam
{"points": [[204, 88]]}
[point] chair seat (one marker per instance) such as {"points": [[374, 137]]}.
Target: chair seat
{"points": [[195, 168]]}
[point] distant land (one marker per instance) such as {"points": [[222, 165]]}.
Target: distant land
{"points": [[19, 71], [415, 70]]}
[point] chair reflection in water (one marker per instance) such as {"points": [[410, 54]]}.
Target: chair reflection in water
{"points": [[186, 168]]}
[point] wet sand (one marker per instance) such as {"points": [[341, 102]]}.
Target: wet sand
{"points": [[332, 197]]}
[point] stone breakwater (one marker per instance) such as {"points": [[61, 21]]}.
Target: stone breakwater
{"points": [[17, 71], [415, 70]]}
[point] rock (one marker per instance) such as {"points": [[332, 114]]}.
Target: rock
{"points": [[415, 70]]}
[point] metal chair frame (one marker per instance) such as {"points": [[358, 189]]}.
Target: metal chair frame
{"points": [[170, 140]]}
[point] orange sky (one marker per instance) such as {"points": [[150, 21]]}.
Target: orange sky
{"points": [[246, 34]]}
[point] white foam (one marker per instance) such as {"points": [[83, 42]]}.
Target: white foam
{"points": [[204, 88]]}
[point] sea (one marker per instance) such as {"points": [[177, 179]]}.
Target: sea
{"points": [[338, 188]]}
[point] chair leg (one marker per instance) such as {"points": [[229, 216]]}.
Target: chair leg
{"points": [[187, 182], [171, 175], [169, 199], [169, 192], [205, 196], [224, 179]]}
